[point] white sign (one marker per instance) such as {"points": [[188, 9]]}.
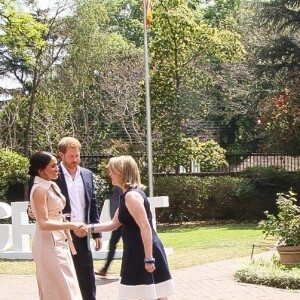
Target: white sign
{"points": [[15, 238]]}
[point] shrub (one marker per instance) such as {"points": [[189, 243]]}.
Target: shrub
{"points": [[208, 155], [269, 181], [270, 273], [269, 178], [102, 189], [192, 198], [13, 169], [286, 225], [245, 197]]}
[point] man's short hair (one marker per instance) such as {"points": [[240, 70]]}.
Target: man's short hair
{"points": [[68, 142]]}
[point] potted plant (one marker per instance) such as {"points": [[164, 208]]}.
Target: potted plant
{"points": [[285, 227]]}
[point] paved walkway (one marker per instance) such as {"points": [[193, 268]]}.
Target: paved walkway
{"points": [[213, 281]]}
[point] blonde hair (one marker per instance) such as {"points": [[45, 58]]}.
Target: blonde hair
{"points": [[68, 142], [128, 170]]}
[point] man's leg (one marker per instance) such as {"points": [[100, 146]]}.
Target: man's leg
{"points": [[115, 237], [84, 266]]}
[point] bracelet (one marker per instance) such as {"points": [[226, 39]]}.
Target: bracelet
{"points": [[92, 228], [149, 260]]}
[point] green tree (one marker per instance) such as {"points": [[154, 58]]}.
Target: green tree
{"points": [[217, 12], [30, 45], [97, 82], [235, 108], [21, 37], [87, 85], [278, 72], [126, 19], [183, 47]]}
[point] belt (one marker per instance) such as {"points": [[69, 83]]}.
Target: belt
{"points": [[68, 234]]}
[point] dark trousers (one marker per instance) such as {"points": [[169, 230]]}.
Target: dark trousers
{"points": [[84, 266], [114, 239]]}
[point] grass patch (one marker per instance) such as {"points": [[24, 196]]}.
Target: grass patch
{"points": [[193, 244], [204, 244], [270, 273]]}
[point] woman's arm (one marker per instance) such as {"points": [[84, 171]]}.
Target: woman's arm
{"points": [[105, 226], [135, 205], [39, 199]]}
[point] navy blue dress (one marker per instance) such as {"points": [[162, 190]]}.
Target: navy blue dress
{"points": [[136, 282]]}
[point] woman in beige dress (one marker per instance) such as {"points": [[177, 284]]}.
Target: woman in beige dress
{"points": [[52, 242]]}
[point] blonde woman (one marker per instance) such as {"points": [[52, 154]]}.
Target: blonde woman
{"points": [[144, 273]]}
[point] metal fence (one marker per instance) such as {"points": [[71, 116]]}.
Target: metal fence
{"points": [[236, 163], [240, 162]]}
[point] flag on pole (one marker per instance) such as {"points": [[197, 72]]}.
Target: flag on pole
{"points": [[149, 16]]}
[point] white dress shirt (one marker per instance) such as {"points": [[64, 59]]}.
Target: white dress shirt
{"points": [[76, 194]]}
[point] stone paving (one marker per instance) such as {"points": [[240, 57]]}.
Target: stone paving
{"points": [[213, 281]]}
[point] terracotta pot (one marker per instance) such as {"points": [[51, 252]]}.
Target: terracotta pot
{"points": [[289, 255]]}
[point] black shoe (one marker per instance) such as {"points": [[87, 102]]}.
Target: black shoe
{"points": [[101, 273]]}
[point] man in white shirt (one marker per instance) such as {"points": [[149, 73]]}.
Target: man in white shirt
{"points": [[76, 184]]}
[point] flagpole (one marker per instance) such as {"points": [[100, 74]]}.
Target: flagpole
{"points": [[148, 107]]}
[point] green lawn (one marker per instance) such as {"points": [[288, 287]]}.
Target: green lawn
{"points": [[199, 245], [192, 245]]}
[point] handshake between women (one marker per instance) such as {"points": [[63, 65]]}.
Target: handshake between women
{"points": [[82, 230]]}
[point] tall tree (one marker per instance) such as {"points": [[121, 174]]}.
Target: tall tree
{"points": [[87, 84], [183, 47], [29, 48], [98, 81], [278, 69], [126, 19]]}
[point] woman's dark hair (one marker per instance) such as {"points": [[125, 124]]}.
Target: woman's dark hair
{"points": [[39, 161]]}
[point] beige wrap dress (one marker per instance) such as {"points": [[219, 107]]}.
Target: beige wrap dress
{"points": [[55, 272]]}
